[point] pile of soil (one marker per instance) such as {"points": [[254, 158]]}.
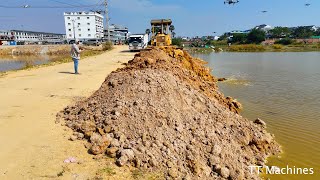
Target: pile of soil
{"points": [[163, 111]]}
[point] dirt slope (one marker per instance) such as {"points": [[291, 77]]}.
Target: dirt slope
{"points": [[163, 111]]}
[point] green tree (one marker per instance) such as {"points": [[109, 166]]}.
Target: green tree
{"points": [[177, 42], [303, 32], [148, 31], [239, 38], [223, 37], [256, 36], [171, 28], [279, 32]]}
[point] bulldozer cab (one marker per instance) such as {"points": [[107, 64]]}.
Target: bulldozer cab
{"points": [[160, 32]]}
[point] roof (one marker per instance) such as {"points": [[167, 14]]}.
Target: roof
{"points": [[35, 32], [161, 21]]}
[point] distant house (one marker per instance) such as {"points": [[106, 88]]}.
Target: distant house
{"points": [[264, 27], [239, 32]]}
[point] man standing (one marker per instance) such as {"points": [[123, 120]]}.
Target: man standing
{"points": [[75, 54]]}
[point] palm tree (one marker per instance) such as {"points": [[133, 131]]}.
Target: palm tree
{"points": [[173, 34], [148, 31], [171, 28]]}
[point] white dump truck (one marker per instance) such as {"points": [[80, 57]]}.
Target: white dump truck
{"points": [[138, 41]]}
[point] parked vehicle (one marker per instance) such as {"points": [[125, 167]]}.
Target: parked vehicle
{"points": [[92, 42], [138, 41]]}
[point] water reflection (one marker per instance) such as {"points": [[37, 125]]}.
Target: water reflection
{"points": [[284, 90], [13, 62]]}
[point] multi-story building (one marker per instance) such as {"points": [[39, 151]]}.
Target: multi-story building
{"points": [[83, 25], [117, 33], [30, 37]]}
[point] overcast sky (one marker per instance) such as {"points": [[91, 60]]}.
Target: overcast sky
{"points": [[190, 17]]}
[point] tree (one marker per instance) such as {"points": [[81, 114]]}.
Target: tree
{"points": [[173, 34], [177, 41], [279, 32], [303, 32], [148, 31], [256, 36], [171, 28], [223, 37], [239, 38]]}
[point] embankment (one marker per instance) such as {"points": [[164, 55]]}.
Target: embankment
{"points": [[27, 50], [163, 111]]}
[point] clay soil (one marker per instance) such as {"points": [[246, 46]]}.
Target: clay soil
{"points": [[163, 112]]}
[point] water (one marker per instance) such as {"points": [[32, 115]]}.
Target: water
{"points": [[283, 89], [19, 62]]}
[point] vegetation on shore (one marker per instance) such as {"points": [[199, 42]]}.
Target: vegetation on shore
{"points": [[65, 57]]}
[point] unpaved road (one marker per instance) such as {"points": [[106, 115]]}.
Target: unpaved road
{"points": [[32, 145]]}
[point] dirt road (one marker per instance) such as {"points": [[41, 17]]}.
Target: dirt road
{"points": [[32, 145]]}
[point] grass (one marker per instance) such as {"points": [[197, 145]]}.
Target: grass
{"points": [[58, 60], [247, 48], [108, 171], [140, 174]]}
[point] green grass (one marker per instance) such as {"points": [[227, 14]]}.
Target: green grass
{"points": [[108, 171]]}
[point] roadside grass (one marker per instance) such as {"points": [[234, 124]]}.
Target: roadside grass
{"points": [[64, 58]]}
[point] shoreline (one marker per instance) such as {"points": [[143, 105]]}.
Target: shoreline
{"points": [[65, 58], [252, 48]]}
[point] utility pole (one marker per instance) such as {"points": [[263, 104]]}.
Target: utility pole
{"points": [[107, 19]]}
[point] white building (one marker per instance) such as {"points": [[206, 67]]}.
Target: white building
{"points": [[83, 25], [21, 37], [117, 33]]}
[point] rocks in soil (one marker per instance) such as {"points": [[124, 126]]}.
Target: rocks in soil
{"points": [[163, 111], [260, 122]]}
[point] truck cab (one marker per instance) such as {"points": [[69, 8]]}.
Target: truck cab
{"points": [[138, 41]]}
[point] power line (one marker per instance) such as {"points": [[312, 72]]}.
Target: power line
{"points": [[61, 2], [49, 7]]}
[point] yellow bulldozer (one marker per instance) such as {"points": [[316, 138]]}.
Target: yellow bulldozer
{"points": [[160, 32]]}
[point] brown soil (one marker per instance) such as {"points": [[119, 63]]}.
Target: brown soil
{"points": [[163, 111]]}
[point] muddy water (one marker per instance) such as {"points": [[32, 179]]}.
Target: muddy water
{"points": [[8, 63], [284, 90]]}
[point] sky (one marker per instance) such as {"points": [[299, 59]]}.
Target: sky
{"points": [[190, 17]]}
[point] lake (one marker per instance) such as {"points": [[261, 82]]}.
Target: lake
{"points": [[283, 89], [8, 63]]}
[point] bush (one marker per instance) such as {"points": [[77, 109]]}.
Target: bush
{"points": [[285, 41], [277, 46], [107, 46], [177, 42], [247, 48], [256, 36]]}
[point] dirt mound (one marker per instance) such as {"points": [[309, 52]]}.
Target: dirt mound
{"points": [[163, 111]]}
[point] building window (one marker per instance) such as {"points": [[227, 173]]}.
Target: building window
{"points": [[88, 23], [88, 29], [89, 35], [79, 24], [68, 17], [69, 24], [79, 35], [88, 17], [70, 35], [69, 29], [79, 29], [78, 18]]}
